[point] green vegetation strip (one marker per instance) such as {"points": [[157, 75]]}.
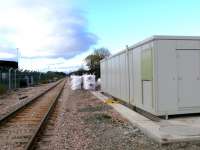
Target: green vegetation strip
{"points": [[2, 89]]}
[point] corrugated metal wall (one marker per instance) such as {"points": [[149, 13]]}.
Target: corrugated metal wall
{"points": [[114, 76], [121, 75], [148, 75]]}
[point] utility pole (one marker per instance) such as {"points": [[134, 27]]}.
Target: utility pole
{"points": [[16, 78], [18, 56], [9, 77]]}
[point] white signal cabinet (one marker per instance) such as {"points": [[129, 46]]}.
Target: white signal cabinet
{"points": [[160, 75]]}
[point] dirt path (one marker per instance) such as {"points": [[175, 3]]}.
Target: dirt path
{"points": [[85, 123]]}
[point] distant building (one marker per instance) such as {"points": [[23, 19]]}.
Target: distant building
{"points": [[8, 64], [9, 81]]}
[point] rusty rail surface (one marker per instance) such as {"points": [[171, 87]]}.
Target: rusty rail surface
{"points": [[24, 104], [20, 128]]}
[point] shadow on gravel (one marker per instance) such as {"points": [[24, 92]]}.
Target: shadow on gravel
{"points": [[105, 129], [95, 108], [98, 118]]}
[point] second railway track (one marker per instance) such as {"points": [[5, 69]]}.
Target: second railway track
{"points": [[19, 130]]}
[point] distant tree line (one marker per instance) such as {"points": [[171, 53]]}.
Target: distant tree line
{"points": [[24, 78], [51, 76]]}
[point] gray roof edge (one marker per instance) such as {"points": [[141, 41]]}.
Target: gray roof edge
{"points": [[175, 37], [147, 40], [155, 37]]}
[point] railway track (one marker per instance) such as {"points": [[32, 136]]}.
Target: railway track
{"points": [[20, 129]]}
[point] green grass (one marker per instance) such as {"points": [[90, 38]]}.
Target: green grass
{"points": [[2, 89]]}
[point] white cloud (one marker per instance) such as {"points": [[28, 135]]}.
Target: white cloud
{"points": [[6, 55], [43, 30], [55, 64]]}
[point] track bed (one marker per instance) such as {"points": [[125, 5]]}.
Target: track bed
{"points": [[19, 130]]}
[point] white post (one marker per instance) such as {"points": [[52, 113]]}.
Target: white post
{"points": [[39, 76], [16, 78], [9, 74], [17, 55], [128, 66]]}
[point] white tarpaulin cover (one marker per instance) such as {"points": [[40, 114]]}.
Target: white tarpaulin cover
{"points": [[89, 82], [99, 82], [76, 82]]}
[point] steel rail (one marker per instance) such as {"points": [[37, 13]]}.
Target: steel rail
{"points": [[42, 123], [26, 103]]}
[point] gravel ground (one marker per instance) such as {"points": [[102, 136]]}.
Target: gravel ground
{"points": [[85, 123], [13, 98]]}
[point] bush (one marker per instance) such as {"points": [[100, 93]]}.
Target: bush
{"points": [[23, 83], [44, 81], [2, 89]]}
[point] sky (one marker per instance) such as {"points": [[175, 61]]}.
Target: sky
{"points": [[58, 35]]}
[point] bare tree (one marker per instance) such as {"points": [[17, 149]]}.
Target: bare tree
{"points": [[93, 60]]}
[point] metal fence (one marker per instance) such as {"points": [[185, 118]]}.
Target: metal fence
{"points": [[13, 78]]}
